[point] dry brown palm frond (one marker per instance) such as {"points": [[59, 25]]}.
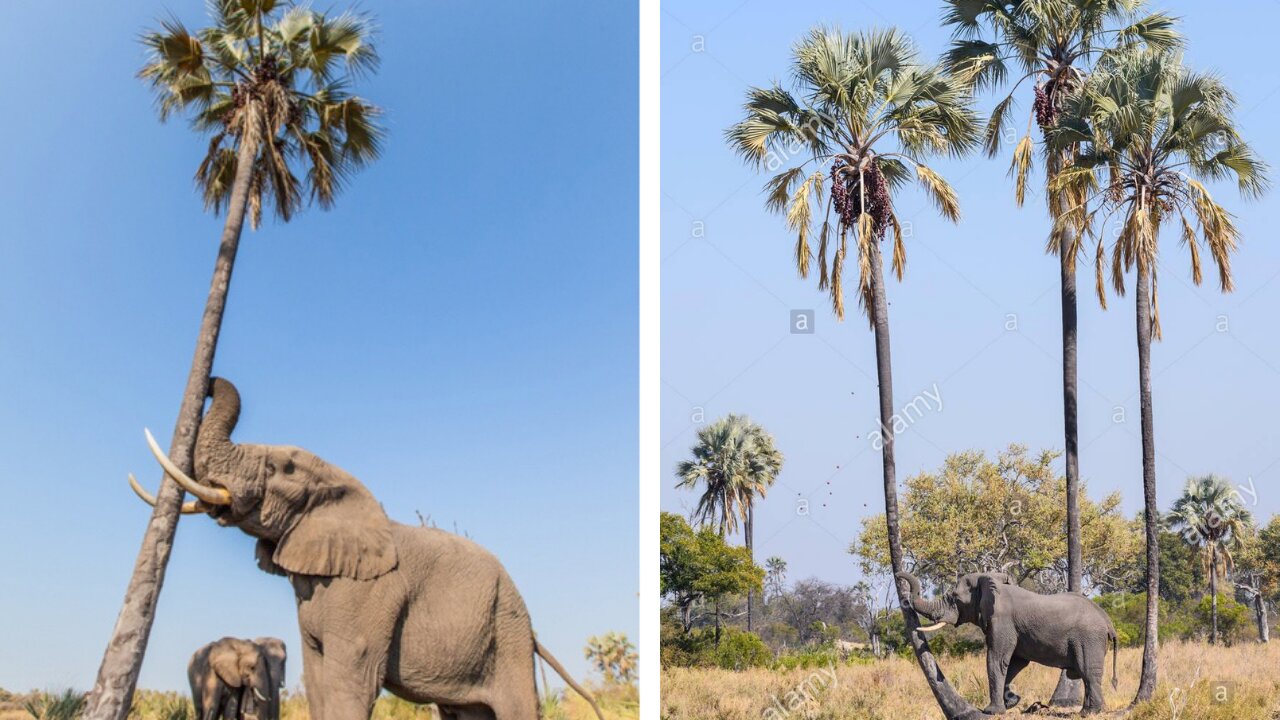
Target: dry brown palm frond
{"points": [[1220, 233], [940, 192], [800, 218], [837, 274], [866, 236], [899, 248], [1021, 167], [1189, 239], [824, 236], [1100, 262], [778, 189]]}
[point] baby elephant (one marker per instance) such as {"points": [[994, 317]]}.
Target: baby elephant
{"points": [[234, 679], [1066, 630]]}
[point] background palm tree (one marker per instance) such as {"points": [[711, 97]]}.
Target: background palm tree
{"points": [[270, 88], [1053, 44], [1149, 130], [735, 461], [865, 114], [1211, 517], [613, 655]]}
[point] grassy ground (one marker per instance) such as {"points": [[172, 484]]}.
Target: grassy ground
{"points": [[617, 703], [1197, 682]]}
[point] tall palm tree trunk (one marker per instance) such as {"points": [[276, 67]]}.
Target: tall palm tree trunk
{"points": [[954, 707], [1213, 590], [1068, 691], [1147, 683], [112, 695], [748, 528]]}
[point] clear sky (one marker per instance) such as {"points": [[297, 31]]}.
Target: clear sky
{"points": [[459, 333], [727, 296]]}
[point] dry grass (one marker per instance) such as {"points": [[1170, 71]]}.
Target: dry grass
{"points": [[894, 689], [617, 703]]}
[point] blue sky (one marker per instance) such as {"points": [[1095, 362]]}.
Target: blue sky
{"points": [[727, 295], [459, 333]]}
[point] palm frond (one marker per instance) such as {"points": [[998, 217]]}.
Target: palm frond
{"points": [[940, 192], [1020, 167]]}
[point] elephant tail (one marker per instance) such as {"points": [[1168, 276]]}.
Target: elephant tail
{"points": [[555, 665], [1115, 655]]}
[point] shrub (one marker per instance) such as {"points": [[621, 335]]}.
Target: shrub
{"points": [[1233, 618], [67, 705], [738, 649]]}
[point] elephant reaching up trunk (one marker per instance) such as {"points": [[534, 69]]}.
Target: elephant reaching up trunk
{"points": [[430, 616], [1066, 630]]}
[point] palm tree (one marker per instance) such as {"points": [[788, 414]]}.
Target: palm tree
{"points": [[1210, 516], [736, 461], [1054, 44], [865, 114], [1149, 132], [268, 84], [614, 656]]}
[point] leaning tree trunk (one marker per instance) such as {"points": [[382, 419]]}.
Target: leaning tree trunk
{"points": [[112, 694], [954, 707], [1147, 684], [1068, 691]]}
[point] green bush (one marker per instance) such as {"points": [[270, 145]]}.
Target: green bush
{"points": [[737, 650], [1233, 618], [740, 649]]}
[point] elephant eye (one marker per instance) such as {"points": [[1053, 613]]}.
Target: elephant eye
{"points": [[288, 467]]}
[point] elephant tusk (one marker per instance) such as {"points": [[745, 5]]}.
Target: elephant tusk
{"points": [[260, 696], [212, 496], [932, 627], [191, 507]]}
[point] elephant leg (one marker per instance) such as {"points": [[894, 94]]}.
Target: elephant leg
{"points": [[231, 705], [211, 708], [353, 673], [1091, 668], [1016, 665], [1000, 646], [313, 679], [512, 693]]}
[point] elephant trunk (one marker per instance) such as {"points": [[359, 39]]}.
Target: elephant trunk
{"points": [[215, 453], [935, 610]]}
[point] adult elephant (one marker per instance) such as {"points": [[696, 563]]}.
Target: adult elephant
{"points": [[234, 679], [1066, 631], [428, 615]]}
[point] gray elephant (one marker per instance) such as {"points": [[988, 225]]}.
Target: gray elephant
{"points": [[234, 679], [428, 615], [1066, 630]]}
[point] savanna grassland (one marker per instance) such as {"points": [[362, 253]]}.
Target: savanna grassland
{"points": [[617, 702], [1191, 674]]}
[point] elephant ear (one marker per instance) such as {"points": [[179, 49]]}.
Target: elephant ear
{"points": [[343, 532], [990, 597], [225, 661]]}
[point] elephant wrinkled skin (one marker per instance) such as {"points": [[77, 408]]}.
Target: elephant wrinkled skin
{"points": [[428, 615], [234, 679], [1066, 630]]}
